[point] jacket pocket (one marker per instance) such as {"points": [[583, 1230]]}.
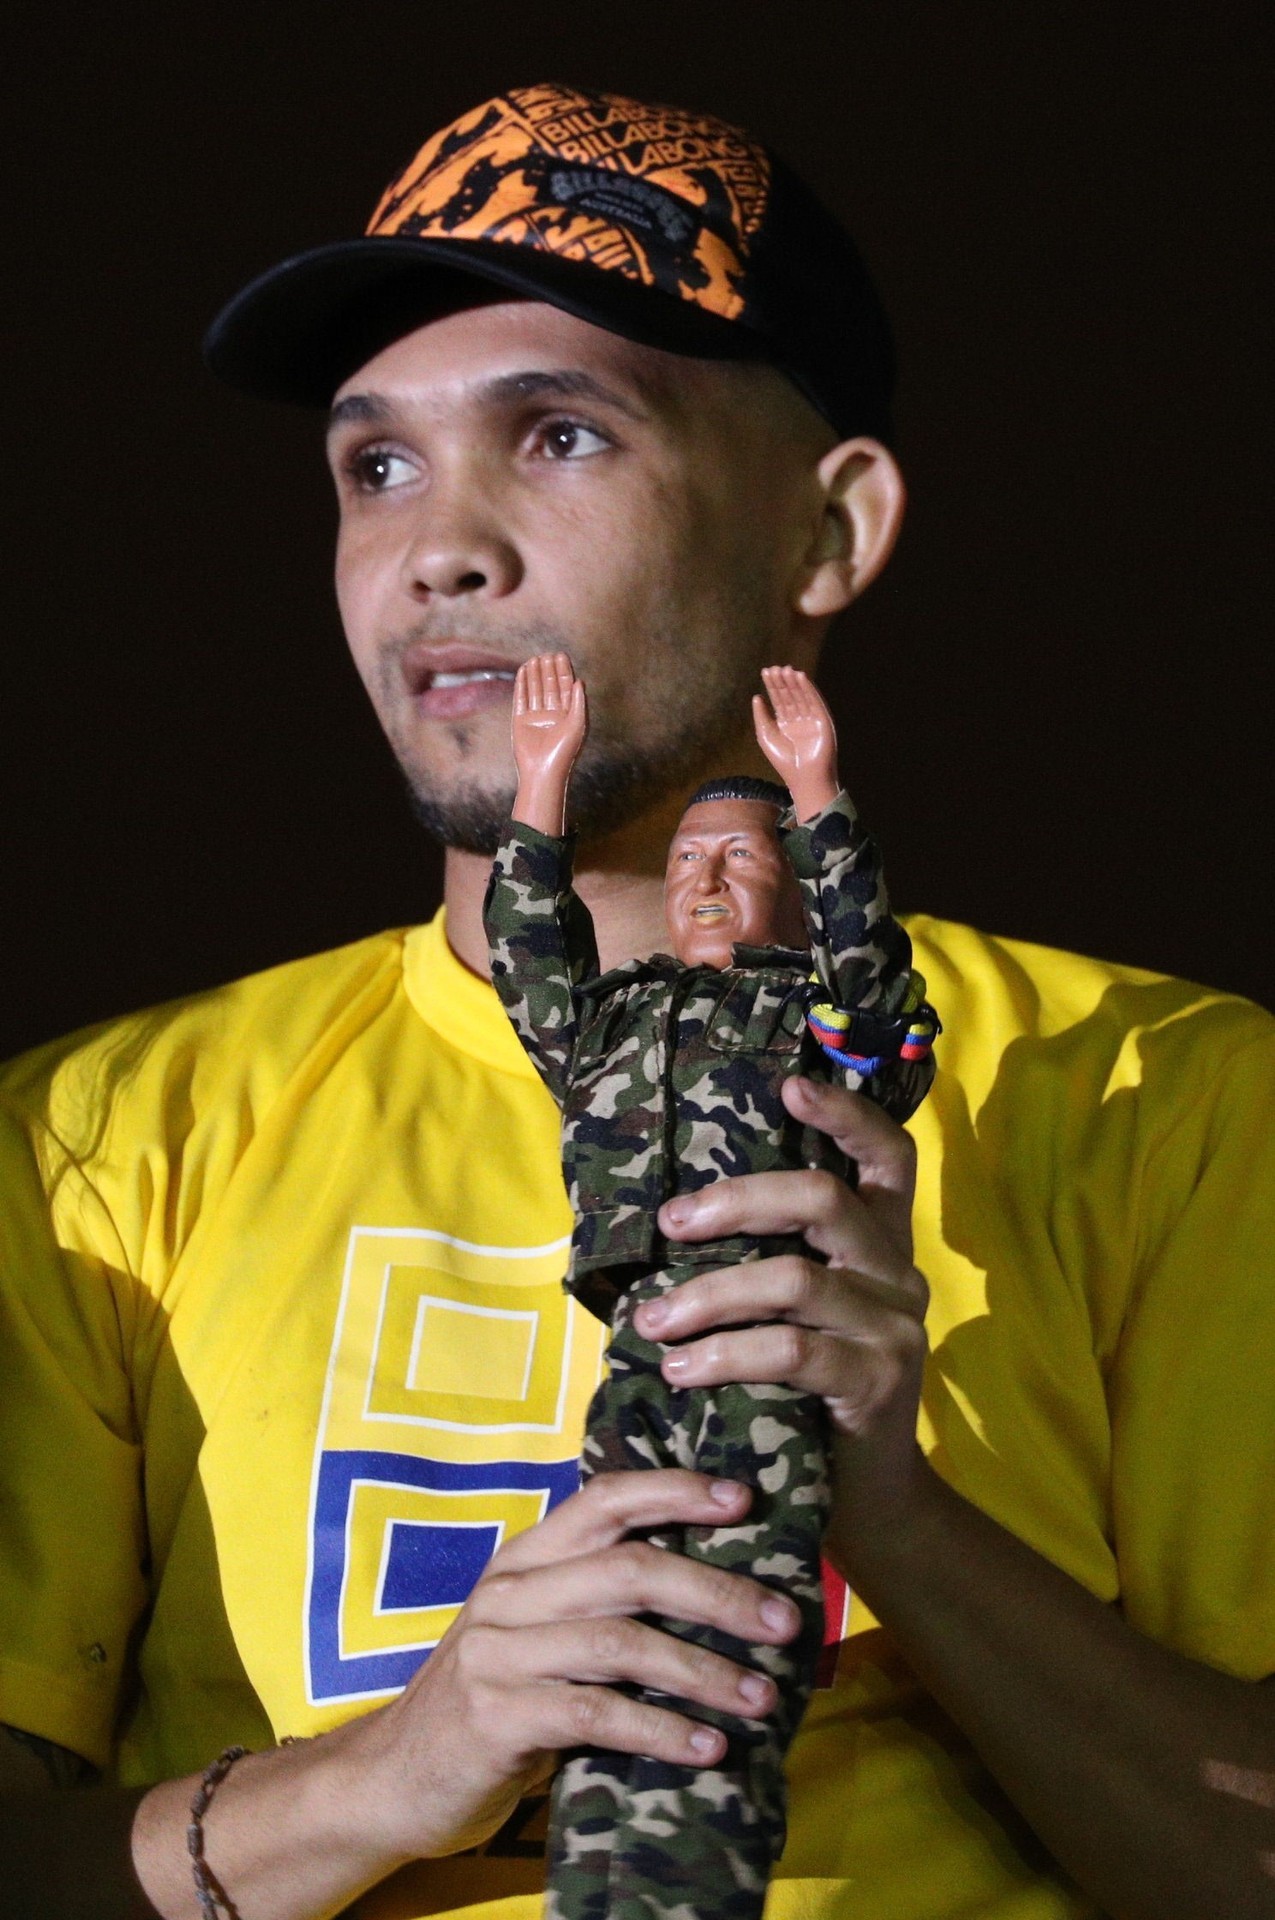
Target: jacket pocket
{"points": [[759, 1014]]}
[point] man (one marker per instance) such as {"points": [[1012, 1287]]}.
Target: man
{"points": [[286, 1353]]}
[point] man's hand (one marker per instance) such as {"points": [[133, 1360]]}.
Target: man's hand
{"points": [[798, 738], [850, 1330], [550, 722], [529, 1665], [1150, 1776]]}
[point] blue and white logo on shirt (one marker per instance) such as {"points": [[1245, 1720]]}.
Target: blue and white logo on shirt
{"points": [[445, 1428]]}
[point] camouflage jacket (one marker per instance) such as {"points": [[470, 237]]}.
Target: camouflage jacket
{"points": [[668, 1076]]}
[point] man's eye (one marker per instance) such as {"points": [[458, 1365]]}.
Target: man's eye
{"points": [[741, 853], [568, 440], [377, 469]]}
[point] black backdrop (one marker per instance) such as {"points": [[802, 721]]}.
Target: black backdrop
{"points": [[1056, 705]]}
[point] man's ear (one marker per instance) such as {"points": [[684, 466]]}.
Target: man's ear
{"points": [[863, 501]]}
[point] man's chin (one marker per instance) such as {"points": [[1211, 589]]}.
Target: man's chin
{"points": [[610, 787], [469, 820]]}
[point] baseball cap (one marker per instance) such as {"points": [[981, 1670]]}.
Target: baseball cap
{"points": [[669, 227]]}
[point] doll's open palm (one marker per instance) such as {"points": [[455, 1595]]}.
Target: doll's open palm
{"points": [[797, 736], [550, 721]]}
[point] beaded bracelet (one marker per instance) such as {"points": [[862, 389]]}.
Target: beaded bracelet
{"points": [[208, 1889]]}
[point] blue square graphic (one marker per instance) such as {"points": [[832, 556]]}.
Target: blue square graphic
{"points": [[432, 1566], [426, 1566]]}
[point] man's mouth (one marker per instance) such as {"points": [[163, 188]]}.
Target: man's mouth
{"points": [[438, 680], [451, 681], [710, 910], [479, 676]]}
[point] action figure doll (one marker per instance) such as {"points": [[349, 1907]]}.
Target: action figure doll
{"points": [[668, 1072]]}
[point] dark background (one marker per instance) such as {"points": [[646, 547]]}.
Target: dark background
{"points": [[1055, 706]]}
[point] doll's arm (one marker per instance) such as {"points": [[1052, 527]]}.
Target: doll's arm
{"points": [[550, 722], [797, 736], [539, 933], [860, 952], [877, 1025], [859, 949], [541, 942]]}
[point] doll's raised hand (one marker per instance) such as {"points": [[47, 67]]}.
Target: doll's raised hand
{"points": [[798, 738], [550, 722]]}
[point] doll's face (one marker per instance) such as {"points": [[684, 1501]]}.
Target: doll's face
{"points": [[728, 883]]}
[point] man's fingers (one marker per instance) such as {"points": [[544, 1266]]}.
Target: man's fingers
{"points": [[635, 1577], [881, 1150], [602, 1652], [802, 1201], [789, 1289], [883, 1154], [868, 1230], [581, 1716], [811, 1360], [612, 1505]]}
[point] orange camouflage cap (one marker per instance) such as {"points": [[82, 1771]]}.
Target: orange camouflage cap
{"points": [[668, 227]]}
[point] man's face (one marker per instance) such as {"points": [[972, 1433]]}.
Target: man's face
{"points": [[514, 481], [728, 883]]}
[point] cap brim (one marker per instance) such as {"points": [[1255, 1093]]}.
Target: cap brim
{"points": [[298, 332]]}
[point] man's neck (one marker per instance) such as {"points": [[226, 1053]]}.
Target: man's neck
{"points": [[620, 879]]}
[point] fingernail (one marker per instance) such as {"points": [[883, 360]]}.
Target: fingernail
{"points": [[725, 1492], [777, 1614], [676, 1363], [654, 1313], [704, 1740], [754, 1688], [676, 1213]]}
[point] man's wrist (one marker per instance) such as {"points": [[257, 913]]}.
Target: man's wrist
{"points": [[886, 1527], [366, 1782], [294, 1831]]}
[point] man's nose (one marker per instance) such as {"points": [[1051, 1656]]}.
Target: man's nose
{"points": [[459, 547]]}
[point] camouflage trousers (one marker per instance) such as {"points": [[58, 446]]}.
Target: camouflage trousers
{"points": [[631, 1838]]}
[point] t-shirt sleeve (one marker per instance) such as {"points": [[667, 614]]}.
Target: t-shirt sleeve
{"points": [[1192, 1384], [72, 1538]]}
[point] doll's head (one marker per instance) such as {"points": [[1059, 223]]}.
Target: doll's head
{"points": [[727, 881]]}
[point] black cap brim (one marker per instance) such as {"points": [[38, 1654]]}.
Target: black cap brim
{"points": [[298, 332]]}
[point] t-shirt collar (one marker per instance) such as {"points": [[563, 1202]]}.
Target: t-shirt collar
{"points": [[456, 1003]]}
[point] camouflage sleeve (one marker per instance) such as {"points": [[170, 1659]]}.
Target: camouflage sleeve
{"points": [[860, 951], [540, 938]]}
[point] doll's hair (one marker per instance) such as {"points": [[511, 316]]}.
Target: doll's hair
{"points": [[742, 786]]}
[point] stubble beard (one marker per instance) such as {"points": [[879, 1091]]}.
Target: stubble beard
{"points": [[615, 780]]}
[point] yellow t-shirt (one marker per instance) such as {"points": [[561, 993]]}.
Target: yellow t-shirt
{"points": [[285, 1356]]}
